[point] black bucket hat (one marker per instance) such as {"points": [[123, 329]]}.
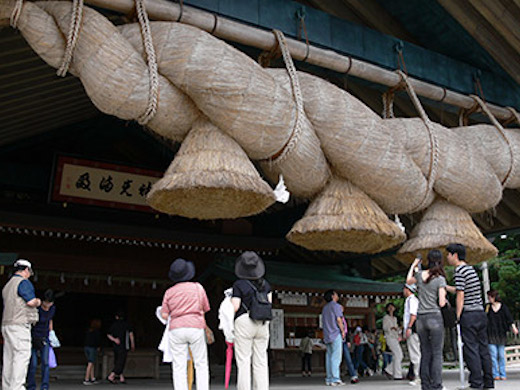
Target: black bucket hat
{"points": [[181, 271], [249, 266]]}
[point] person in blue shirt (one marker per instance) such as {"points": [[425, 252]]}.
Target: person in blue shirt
{"points": [[20, 312], [40, 342]]}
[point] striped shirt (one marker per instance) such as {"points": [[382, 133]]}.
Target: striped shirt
{"points": [[466, 279]]}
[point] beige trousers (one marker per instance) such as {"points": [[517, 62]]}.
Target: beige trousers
{"points": [[414, 350], [17, 353], [251, 341], [395, 368]]}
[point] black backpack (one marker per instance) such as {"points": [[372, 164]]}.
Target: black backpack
{"points": [[260, 309]]}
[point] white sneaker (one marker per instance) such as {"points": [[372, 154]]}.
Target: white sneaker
{"points": [[339, 383], [412, 383]]}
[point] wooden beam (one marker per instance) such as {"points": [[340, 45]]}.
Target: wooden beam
{"points": [[378, 18], [501, 19], [485, 35]]}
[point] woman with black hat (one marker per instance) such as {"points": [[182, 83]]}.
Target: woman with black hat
{"points": [[251, 299], [185, 303]]}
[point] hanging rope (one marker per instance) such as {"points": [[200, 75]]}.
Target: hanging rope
{"points": [[72, 37], [434, 144], [303, 28], [298, 98], [483, 106], [153, 73], [15, 15], [515, 116], [265, 58]]}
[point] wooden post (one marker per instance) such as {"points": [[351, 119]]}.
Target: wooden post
{"points": [[251, 36]]}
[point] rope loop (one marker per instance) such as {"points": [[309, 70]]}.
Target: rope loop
{"points": [[72, 37], [153, 73], [298, 98], [483, 106], [434, 143], [15, 15]]}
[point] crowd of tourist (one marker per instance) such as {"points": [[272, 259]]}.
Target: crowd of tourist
{"points": [[246, 312]]}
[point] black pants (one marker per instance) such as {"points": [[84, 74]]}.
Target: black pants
{"points": [[473, 326], [306, 362], [119, 360]]}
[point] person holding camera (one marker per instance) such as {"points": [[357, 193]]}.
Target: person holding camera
{"points": [[431, 285]]}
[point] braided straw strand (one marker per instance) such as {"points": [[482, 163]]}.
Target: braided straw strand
{"points": [[500, 129], [15, 15], [72, 37], [434, 144], [153, 96], [297, 93]]}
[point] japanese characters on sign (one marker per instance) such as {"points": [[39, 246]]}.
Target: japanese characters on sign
{"points": [[102, 184]]}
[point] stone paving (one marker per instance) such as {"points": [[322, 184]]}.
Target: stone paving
{"points": [[296, 383]]}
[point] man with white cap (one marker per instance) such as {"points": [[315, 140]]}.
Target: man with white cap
{"points": [[411, 306], [20, 313]]}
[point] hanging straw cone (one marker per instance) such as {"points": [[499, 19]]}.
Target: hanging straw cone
{"points": [[211, 177], [344, 218], [444, 223]]}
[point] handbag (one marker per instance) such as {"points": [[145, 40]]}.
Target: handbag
{"points": [[449, 316]]}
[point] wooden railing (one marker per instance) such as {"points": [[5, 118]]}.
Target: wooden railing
{"points": [[513, 355]]}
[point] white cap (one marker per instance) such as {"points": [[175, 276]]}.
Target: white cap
{"points": [[22, 263]]}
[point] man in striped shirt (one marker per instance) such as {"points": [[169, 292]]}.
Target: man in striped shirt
{"points": [[472, 318]]}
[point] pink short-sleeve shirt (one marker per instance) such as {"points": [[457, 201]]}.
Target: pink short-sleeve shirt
{"points": [[186, 304]]}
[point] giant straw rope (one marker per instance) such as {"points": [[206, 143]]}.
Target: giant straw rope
{"points": [[294, 123]]}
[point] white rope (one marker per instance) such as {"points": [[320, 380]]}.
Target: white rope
{"points": [[15, 15], [153, 96], [500, 129], [297, 93], [72, 37], [434, 144]]}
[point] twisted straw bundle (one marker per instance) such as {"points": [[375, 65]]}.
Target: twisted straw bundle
{"points": [[211, 177], [444, 223], [343, 218]]}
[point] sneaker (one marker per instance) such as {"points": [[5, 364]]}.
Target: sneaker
{"points": [[370, 372], [354, 380], [412, 383], [339, 383], [328, 384], [87, 383]]}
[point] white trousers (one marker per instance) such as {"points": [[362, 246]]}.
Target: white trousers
{"points": [[414, 350], [395, 368], [180, 340], [17, 353], [251, 341]]}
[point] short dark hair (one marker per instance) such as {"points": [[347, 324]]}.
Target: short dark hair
{"points": [[120, 314], [459, 249], [495, 295], [388, 305], [328, 295], [48, 295]]}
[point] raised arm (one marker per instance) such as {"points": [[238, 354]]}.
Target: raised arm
{"points": [[410, 279]]}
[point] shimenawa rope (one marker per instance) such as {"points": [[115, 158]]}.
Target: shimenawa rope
{"points": [[434, 145], [153, 96], [72, 37], [500, 129]]}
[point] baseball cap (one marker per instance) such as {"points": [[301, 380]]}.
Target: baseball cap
{"points": [[22, 263], [411, 287]]}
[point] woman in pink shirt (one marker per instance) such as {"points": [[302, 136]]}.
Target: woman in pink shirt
{"points": [[185, 304]]}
